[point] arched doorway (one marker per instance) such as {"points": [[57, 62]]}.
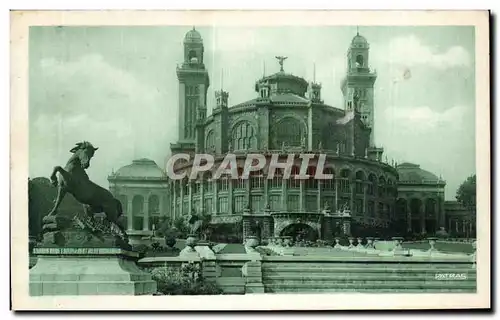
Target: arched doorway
{"points": [[300, 231]]}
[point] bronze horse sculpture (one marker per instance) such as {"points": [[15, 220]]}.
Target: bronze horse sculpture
{"points": [[74, 180]]}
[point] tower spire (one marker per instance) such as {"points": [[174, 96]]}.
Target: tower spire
{"points": [[222, 79], [314, 72]]}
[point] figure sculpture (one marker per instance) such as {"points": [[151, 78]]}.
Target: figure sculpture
{"points": [[74, 180]]}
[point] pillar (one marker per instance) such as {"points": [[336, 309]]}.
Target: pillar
{"points": [[202, 196], [352, 186], [145, 221], [365, 202], [130, 217], [181, 204], [174, 206], [190, 197], [215, 197], [230, 205], [422, 218], [319, 197], [336, 194], [302, 195], [284, 195], [408, 215], [267, 230]]}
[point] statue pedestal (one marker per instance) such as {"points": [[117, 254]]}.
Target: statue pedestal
{"points": [[88, 271]]}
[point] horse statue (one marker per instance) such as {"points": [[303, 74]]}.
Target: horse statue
{"points": [[95, 199]]}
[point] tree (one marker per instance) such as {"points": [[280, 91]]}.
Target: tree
{"points": [[466, 194]]}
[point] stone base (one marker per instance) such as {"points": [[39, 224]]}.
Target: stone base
{"points": [[88, 271]]}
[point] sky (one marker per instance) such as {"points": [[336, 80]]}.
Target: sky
{"points": [[117, 88]]}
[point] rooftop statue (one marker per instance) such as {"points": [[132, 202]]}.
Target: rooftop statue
{"points": [[95, 199]]}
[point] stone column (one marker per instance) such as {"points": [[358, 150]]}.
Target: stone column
{"points": [[215, 197], [174, 205], [408, 215], [267, 230], [266, 190], [319, 197], [284, 195], [464, 227], [352, 185], [247, 184], [327, 225], [449, 225], [246, 223], [190, 197], [202, 197], [336, 208], [422, 218], [441, 211], [130, 215], [230, 196], [145, 221], [302, 195], [365, 202], [181, 205]]}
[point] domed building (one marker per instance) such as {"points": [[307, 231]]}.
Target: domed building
{"points": [[141, 188], [287, 116], [420, 199]]}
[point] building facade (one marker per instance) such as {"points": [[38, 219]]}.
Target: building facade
{"points": [[286, 116]]}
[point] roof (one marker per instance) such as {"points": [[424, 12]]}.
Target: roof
{"points": [[193, 36], [359, 40], [140, 168], [412, 174], [278, 99]]}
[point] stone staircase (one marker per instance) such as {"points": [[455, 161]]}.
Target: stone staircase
{"points": [[403, 277]]}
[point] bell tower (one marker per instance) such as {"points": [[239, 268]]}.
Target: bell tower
{"points": [[193, 85], [357, 86]]}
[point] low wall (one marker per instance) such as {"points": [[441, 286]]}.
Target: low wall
{"points": [[333, 270]]}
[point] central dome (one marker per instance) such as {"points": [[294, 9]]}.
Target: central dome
{"points": [[283, 83]]}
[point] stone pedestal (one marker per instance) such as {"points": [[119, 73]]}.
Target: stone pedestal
{"points": [[88, 271]]}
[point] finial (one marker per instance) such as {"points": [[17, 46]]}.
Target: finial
{"points": [[357, 30], [314, 72], [222, 80], [194, 29], [281, 59]]}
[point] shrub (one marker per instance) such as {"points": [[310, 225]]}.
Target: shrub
{"points": [[186, 280]]}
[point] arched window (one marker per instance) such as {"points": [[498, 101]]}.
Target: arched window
{"points": [[345, 183], [359, 61], [137, 205], [154, 205], [328, 184], [207, 181], [360, 180], [210, 141], [312, 182], [240, 183], [277, 180], [137, 212], [381, 187], [243, 136], [372, 183], [256, 180], [289, 132], [292, 182]]}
